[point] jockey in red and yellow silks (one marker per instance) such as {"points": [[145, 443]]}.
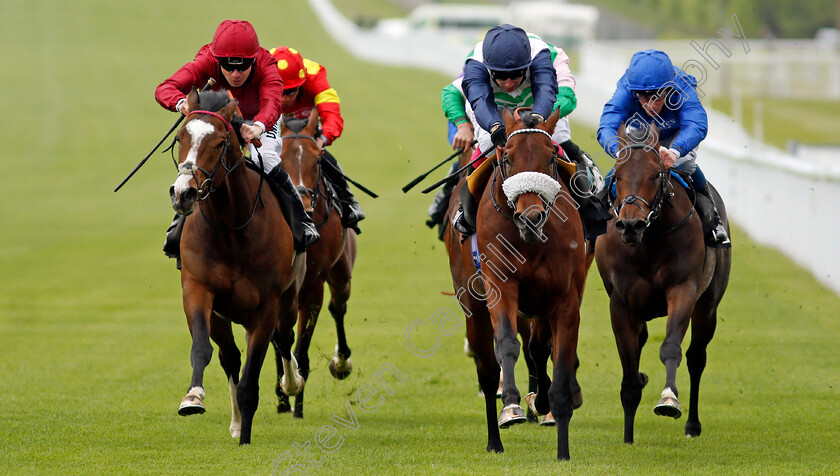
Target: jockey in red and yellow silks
{"points": [[305, 86]]}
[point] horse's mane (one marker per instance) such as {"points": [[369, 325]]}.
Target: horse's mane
{"points": [[214, 101]]}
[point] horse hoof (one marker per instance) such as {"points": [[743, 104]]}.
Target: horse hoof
{"points": [[548, 420], [530, 399], [193, 402], [511, 415], [340, 370], [692, 430], [668, 406], [235, 431]]}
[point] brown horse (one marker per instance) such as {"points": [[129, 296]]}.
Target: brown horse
{"points": [[654, 262], [531, 246], [238, 260], [329, 260]]}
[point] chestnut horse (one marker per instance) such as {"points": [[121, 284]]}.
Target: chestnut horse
{"points": [[530, 242], [238, 260], [329, 260], [654, 262]]}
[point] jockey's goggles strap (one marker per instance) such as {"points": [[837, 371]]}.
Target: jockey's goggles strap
{"points": [[224, 121], [523, 131]]}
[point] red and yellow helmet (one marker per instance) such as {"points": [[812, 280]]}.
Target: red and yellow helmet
{"points": [[235, 39], [290, 65]]}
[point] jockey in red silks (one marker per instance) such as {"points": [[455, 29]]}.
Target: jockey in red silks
{"points": [[237, 62], [305, 86]]}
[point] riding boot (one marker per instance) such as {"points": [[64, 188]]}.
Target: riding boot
{"points": [[588, 185], [279, 181], [718, 237], [464, 220], [172, 244], [592, 181], [351, 211], [441, 201]]}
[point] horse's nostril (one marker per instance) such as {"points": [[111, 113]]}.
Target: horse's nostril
{"points": [[171, 190], [639, 226], [191, 194], [620, 226]]}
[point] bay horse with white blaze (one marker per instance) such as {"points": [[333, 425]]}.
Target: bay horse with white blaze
{"points": [[654, 262], [238, 260], [530, 241], [329, 260]]}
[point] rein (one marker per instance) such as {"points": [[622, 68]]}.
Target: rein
{"points": [[321, 189]]}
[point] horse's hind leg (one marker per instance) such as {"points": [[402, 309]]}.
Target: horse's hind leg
{"points": [[524, 328], [702, 330], [539, 347], [197, 309], [338, 279], [222, 335], [310, 301]]}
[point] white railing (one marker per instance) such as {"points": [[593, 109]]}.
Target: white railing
{"points": [[778, 199]]}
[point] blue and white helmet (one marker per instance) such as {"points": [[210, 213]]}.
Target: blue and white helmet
{"points": [[506, 48], [649, 70]]}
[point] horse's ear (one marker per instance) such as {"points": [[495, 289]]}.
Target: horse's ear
{"points": [[312, 125], [507, 117], [193, 100], [229, 109], [551, 122]]}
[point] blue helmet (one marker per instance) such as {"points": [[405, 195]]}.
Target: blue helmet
{"points": [[506, 48], [649, 70]]}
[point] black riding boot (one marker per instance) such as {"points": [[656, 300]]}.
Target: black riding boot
{"points": [[718, 237], [441, 201], [464, 219], [172, 244], [351, 211], [588, 190], [279, 181]]}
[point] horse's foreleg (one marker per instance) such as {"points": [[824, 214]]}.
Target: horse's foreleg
{"points": [[702, 330], [222, 334], [539, 346], [507, 353], [564, 333], [292, 382], [480, 337], [197, 307], [310, 301], [339, 282], [627, 330], [247, 392], [680, 308]]}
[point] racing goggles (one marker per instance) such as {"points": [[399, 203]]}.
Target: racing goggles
{"points": [[503, 75], [236, 64]]}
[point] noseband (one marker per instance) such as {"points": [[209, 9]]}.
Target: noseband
{"points": [[206, 187]]}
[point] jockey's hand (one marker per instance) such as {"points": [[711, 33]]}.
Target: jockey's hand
{"points": [[464, 137], [498, 134], [250, 131], [183, 107], [667, 156]]}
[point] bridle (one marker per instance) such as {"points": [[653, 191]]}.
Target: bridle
{"points": [[654, 207], [207, 186], [319, 190], [504, 169]]}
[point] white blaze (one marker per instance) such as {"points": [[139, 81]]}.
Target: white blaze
{"points": [[198, 130]]}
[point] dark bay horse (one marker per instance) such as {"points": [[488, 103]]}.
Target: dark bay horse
{"points": [[530, 241], [329, 260], [238, 260], [654, 262]]}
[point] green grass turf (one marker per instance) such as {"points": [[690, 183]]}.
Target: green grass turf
{"points": [[94, 348]]}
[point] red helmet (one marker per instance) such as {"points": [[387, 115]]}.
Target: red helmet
{"points": [[235, 39], [290, 64]]}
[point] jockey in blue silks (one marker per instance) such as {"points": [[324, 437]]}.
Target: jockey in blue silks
{"points": [[652, 90]]}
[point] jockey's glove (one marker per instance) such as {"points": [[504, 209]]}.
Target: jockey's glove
{"points": [[498, 134]]}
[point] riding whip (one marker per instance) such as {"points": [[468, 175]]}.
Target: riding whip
{"points": [[357, 184], [455, 173], [210, 83], [419, 179]]}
